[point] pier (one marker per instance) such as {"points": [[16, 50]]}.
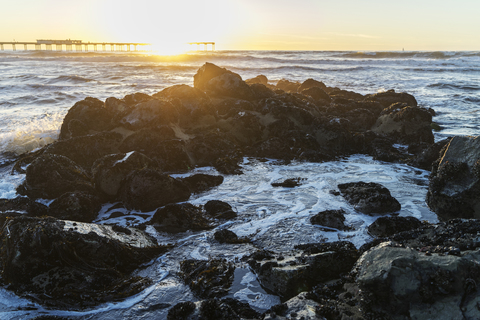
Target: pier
{"points": [[205, 45], [77, 45]]}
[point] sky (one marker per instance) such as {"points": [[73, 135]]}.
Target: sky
{"points": [[358, 25]]}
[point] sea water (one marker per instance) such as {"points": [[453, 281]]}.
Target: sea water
{"points": [[37, 88]]}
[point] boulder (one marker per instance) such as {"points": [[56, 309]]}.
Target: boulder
{"points": [[147, 140], [85, 150], [369, 198], [334, 219], [260, 79], [23, 205], [288, 183], [208, 278], [148, 189], [287, 85], [388, 226], [181, 217], [150, 113], [90, 116], [298, 307], [407, 284], [200, 182], [311, 83], [425, 158], [228, 236], [110, 172], [405, 124], [75, 206], [50, 175], [219, 210], [454, 183], [206, 73], [73, 265], [229, 84], [390, 97], [316, 93]]}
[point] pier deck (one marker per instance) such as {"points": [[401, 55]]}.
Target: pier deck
{"points": [[78, 45]]}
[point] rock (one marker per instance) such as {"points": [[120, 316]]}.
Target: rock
{"points": [[405, 124], [288, 86], [207, 148], [287, 276], [316, 93], [404, 283], [390, 97], [181, 217], [425, 158], [331, 219], [147, 140], [85, 150], [181, 311], [219, 210], [454, 182], [298, 307], [75, 206], [23, 205], [110, 172], [150, 113], [73, 265], [206, 73], [288, 183], [369, 198], [311, 83], [200, 182], [213, 309], [136, 98], [260, 79], [229, 85], [388, 226], [148, 189], [208, 278], [228, 236], [50, 175], [90, 116]]}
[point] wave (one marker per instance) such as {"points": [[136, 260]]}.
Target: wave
{"points": [[72, 79], [452, 86], [410, 54]]}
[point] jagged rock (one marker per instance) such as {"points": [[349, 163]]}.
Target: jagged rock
{"points": [[110, 171], [228, 236], [50, 175], [388, 226], [90, 114], [427, 156], [405, 283], [150, 113], [136, 98], [311, 83], [181, 311], [390, 97], [405, 124], [23, 205], [205, 149], [181, 217], [287, 276], [200, 182], [75, 206], [454, 182], [147, 140], [316, 93], [331, 219], [73, 265], [148, 189], [208, 278], [219, 210], [260, 79], [288, 86], [369, 198]]}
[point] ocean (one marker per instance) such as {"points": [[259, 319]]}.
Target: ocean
{"points": [[37, 88]]}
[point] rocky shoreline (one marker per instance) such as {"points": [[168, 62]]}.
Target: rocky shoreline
{"points": [[125, 151]]}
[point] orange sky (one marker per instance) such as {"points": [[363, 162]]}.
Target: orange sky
{"points": [[251, 24]]}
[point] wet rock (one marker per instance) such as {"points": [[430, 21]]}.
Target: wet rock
{"points": [[89, 114], [86, 150], [219, 209], [288, 183], [407, 284], [23, 205], [110, 172], [316, 93], [200, 182], [207, 148], [73, 265], [298, 307], [311, 83], [208, 278], [427, 156], [369, 198], [181, 217], [390, 97], [190, 98], [405, 124], [213, 309], [181, 311], [148, 189], [150, 113], [331, 219], [260, 79], [288, 86], [454, 182], [147, 140], [75, 206], [228, 236], [388, 226], [50, 175], [136, 98], [287, 276]]}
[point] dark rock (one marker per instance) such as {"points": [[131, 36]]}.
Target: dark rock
{"points": [[369, 198], [288, 86], [405, 124], [260, 79], [228, 236], [331, 219], [136, 98], [75, 206], [181, 217], [316, 93], [219, 209], [200, 182], [23, 205], [425, 158], [229, 165], [110, 172], [311, 83], [288, 183], [390, 97], [86, 150], [206, 73], [454, 182], [206, 149], [293, 274], [208, 278], [261, 91], [213, 309], [50, 175], [150, 113], [147, 140], [388, 226], [90, 116], [72, 265], [181, 311], [148, 189]]}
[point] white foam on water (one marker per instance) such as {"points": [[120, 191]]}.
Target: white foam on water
{"points": [[9, 184]]}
